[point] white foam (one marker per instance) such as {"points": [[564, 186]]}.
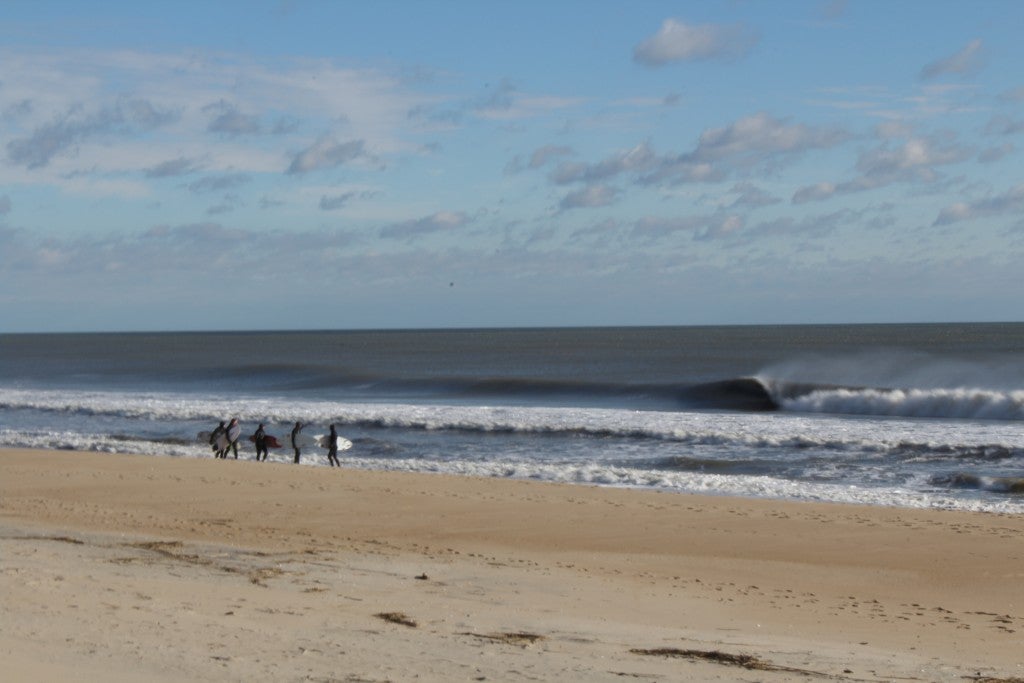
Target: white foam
{"points": [[750, 430], [983, 404], [765, 437], [697, 483]]}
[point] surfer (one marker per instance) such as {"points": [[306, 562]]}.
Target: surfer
{"points": [[215, 435], [260, 439], [234, 431], [332, 448], [295, 440]]}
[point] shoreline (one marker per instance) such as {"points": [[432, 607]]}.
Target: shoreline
{"points": [[504, 579]]}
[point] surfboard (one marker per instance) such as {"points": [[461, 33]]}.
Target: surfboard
{"points": [[302, 440], [234, 432], [272, 441], [218, 445], [343, 443]]}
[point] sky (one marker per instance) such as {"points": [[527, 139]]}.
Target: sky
{"points": [[301, 164]]}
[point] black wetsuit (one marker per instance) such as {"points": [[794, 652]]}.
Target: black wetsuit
{"points": [[295, 434], [260, 439], [332, 448], [214, 435]]}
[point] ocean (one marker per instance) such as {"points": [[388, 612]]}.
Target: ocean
{"points": [[927, 415]]}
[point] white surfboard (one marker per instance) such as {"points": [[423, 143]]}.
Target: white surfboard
{"points": [[343, 443], [218, 444], [302, 440]]}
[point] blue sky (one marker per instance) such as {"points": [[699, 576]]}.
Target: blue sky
{"points": [[299, 164]]}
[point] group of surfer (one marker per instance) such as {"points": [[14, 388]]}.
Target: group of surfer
{"points": [[224, 438]]}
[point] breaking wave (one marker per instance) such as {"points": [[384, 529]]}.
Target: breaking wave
{"points": [[978, 404]]}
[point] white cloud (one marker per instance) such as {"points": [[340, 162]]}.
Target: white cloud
{"points": [[589, 197], [915, 158], [327, 152], [336, 201], [717, 225], [1010, 202], [173, 167], [506, 103], [677, 41], [814, 193], [757, 141], [1004, 125], [992, 154], [751, 196], [539, 158], [230, 121], [60, 117], [635, 159], [763, 134], [967, 61], [889, 130], [543, 155], [123, 117], [808, 226], [442, 221], [218, 183]]}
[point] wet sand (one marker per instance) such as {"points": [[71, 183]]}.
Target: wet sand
{"points": [[118, 568]]}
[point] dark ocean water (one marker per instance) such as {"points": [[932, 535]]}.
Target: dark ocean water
{"points": [[916, 415]]}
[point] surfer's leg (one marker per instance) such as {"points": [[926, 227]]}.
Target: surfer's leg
{"points": [[296, 456]]}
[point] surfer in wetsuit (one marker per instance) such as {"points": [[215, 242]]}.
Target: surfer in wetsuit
{"points": [[332, 448], [214, 436], [260, 439], [295, 435]]}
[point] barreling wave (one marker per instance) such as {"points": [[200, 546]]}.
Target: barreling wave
{"points": [[762, 394], [741, 394], [304, 380]]}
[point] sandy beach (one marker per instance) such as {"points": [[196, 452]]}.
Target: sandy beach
{"points": [[118, 568]]}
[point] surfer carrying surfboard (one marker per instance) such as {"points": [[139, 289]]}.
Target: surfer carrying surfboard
{"points": [[215, 439], [260, 439], [295, 440], [332, 448]]}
